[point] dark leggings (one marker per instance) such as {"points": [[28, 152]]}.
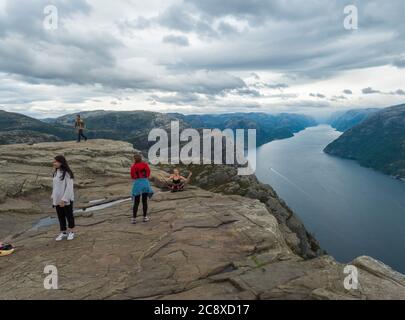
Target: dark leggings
{"points": [[144, 204], [81, 135], [66, 214], [175, 187]]}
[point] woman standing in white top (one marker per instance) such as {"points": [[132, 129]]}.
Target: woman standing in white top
{"points": [[63, 197]]}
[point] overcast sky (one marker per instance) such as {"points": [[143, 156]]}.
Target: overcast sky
{"points": [[200, 56]]}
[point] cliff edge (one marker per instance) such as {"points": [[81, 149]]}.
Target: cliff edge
{"points": [[198, 245]]}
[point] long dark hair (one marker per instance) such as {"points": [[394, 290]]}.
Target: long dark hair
{"points": [[64, 167]]}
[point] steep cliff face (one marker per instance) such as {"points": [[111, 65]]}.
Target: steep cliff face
{"points": [[198, 245], [378, 142], [225, 180], [343, 121]]}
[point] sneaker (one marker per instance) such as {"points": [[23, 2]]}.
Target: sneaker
{"points": [[133, 220], [60, 237], [146, 219], [71, 236]]}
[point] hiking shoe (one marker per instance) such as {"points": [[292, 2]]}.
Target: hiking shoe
{"points": [[146, 219], [61, 237], [71, 236], [133, 220]]}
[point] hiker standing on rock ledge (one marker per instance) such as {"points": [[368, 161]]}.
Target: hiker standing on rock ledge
{"points": [[140, 173], [80, 126], [63, 197]]}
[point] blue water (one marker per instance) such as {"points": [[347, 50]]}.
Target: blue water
{"points": [[352, 210]]}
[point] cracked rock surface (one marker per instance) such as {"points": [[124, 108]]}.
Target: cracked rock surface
{"points": [[198, 244]]}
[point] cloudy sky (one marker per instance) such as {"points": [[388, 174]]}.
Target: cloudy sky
{"points": [[200, 56]]}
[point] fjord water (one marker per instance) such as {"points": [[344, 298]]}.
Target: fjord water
{"points": [[350, 209]]}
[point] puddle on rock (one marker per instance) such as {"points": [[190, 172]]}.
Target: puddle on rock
{"points": [[97, 201], [50, 221], [102, 206]]}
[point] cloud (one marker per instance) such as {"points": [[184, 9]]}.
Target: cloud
{"points": [[255, 76], [137, 23], [277, 85], [317, 95], [310, 40], [338, 98], [260, 53], [177, 40], [370, 90], [177, 98], [399, 62], [398, 92], [247, 92]]}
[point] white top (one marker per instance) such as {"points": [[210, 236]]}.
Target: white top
{"points": [[62, 189]]}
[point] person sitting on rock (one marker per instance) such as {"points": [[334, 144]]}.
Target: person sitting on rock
{"points": [[140, 173], [63, 197], [177, 182]]}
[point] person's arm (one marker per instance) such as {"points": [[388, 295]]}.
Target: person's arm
{"points": [[189, 177], [169, 178], [68, 196], [147, 169], [133, 175]]}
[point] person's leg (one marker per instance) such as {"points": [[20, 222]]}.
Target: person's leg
{"points": [[79, 136], [145, 204], [82, 135], [62, 223], [71, 221], [136, 206], [62, 218], [70, 217]]}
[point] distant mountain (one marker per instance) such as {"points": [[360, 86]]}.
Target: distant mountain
{"points": [[269, 127], [18, 128], [343, 121], [69, 119], [378, 142], [26, 136], [130, 126], [134, 126]]}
